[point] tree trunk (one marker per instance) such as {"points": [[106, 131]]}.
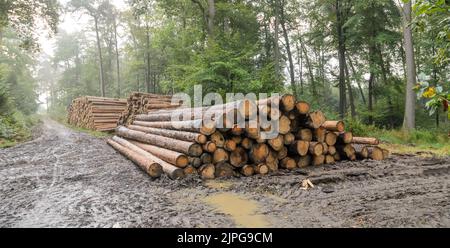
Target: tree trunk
{"points": [[409, 121], [357, 81], [341, 53], [350, 92], [100, 58], [117, 58], [211, 17], [288, 49], [276, 53], [148, 67]]}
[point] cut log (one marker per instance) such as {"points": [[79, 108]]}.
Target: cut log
{"points": [[237, 130], [284, 125], [289, 139], [259, 153], [347, 151], [299, 147], [361, 151], [318, 160], [375, 153], [189, 148], [247, 143], [210, 147], [331, 150], [282, 153], [303, 161], [334, 126], [237, 139], [195, 162], [223, 169], [175, 158], [304, 134], [329, 159], [188, 126], [207, 171], [366, 140], [190, 170], [206, 158], [220, 155], [316, 119], [288, 163], [319, 134], [272, 161], [277, 143], [230, 145], [151, 167], [315, 148], [261, 169], [238, 157], [302, 107], [344, 138], [218, 139], [385, 153], [325, 148], [330, 138], [247, 170], [180, 135]]}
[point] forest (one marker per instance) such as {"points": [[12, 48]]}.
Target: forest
{"points": [[381, 65]]}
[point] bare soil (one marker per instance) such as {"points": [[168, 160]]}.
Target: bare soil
{"points": [[65, 178]]}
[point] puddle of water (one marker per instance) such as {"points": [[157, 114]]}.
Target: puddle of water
{"points": [[214, 184], [242, 211]]}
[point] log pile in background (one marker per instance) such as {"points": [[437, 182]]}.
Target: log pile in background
{"points": [[96, 113], [306, 139], [143, 103]]}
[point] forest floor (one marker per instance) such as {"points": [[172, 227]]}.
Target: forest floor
{"points": [[66, 178]]}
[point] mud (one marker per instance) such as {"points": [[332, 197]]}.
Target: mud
{"points": [[65, 178]]}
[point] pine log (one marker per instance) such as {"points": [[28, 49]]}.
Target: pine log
{"points": [[206, 158], [289, 139], [304, 134], [261, 169], [180, 135], [277, 143], [375, 153], [220, 155], [189, 148], [302, 107], [207, 171], [366, 140], [329, 159], [188, 126], [284, 125], [315, 148], [361, 151], [175, 158], [334, 126], [210, 147], [230, 145], [247, 170], [331, 150], [318, 160], [218, 139], [195, 162], [331, 138], [319, 134], [238, 157], [288, 163], [299, 147], [151, 167], [344, 138], [282, 153], [259, 153], [316, 119], [303, 161], [247, 143], [224, 169]]}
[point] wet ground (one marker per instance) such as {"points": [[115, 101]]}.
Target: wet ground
{"points": [[65, 178]]}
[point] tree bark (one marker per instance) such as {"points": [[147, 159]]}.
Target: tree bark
{"points": [[341, 54], [288, 48], [117, 58], [409, 121], [100, 58]]}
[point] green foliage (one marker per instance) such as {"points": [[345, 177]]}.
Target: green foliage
{"points": [[16, 127]]}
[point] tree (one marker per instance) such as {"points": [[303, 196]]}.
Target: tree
{"points": [[410, 103]]}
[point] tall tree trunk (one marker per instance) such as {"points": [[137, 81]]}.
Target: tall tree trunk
{"points": [[370, 105], [310, 71], [350, 93], [341, 52], [276, 54], [148, 74], [409, 121], [300, 67], [100, 58], [117, 58], [211, 17], [288, 49], [358, 82]]}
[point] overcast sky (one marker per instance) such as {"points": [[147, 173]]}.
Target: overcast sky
{"points": [[70, 22]]}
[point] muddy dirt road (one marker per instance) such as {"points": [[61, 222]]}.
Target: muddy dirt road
{"points": [[66, 178]]}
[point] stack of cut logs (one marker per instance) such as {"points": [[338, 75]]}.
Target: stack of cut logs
{"points": [[96, 113], [177, 148], [143, 103]]}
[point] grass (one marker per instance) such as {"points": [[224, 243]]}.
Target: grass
{"points": [[16, 128], [420, 141]]}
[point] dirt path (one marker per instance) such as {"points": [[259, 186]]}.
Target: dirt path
{"points": [[66, 178]]}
